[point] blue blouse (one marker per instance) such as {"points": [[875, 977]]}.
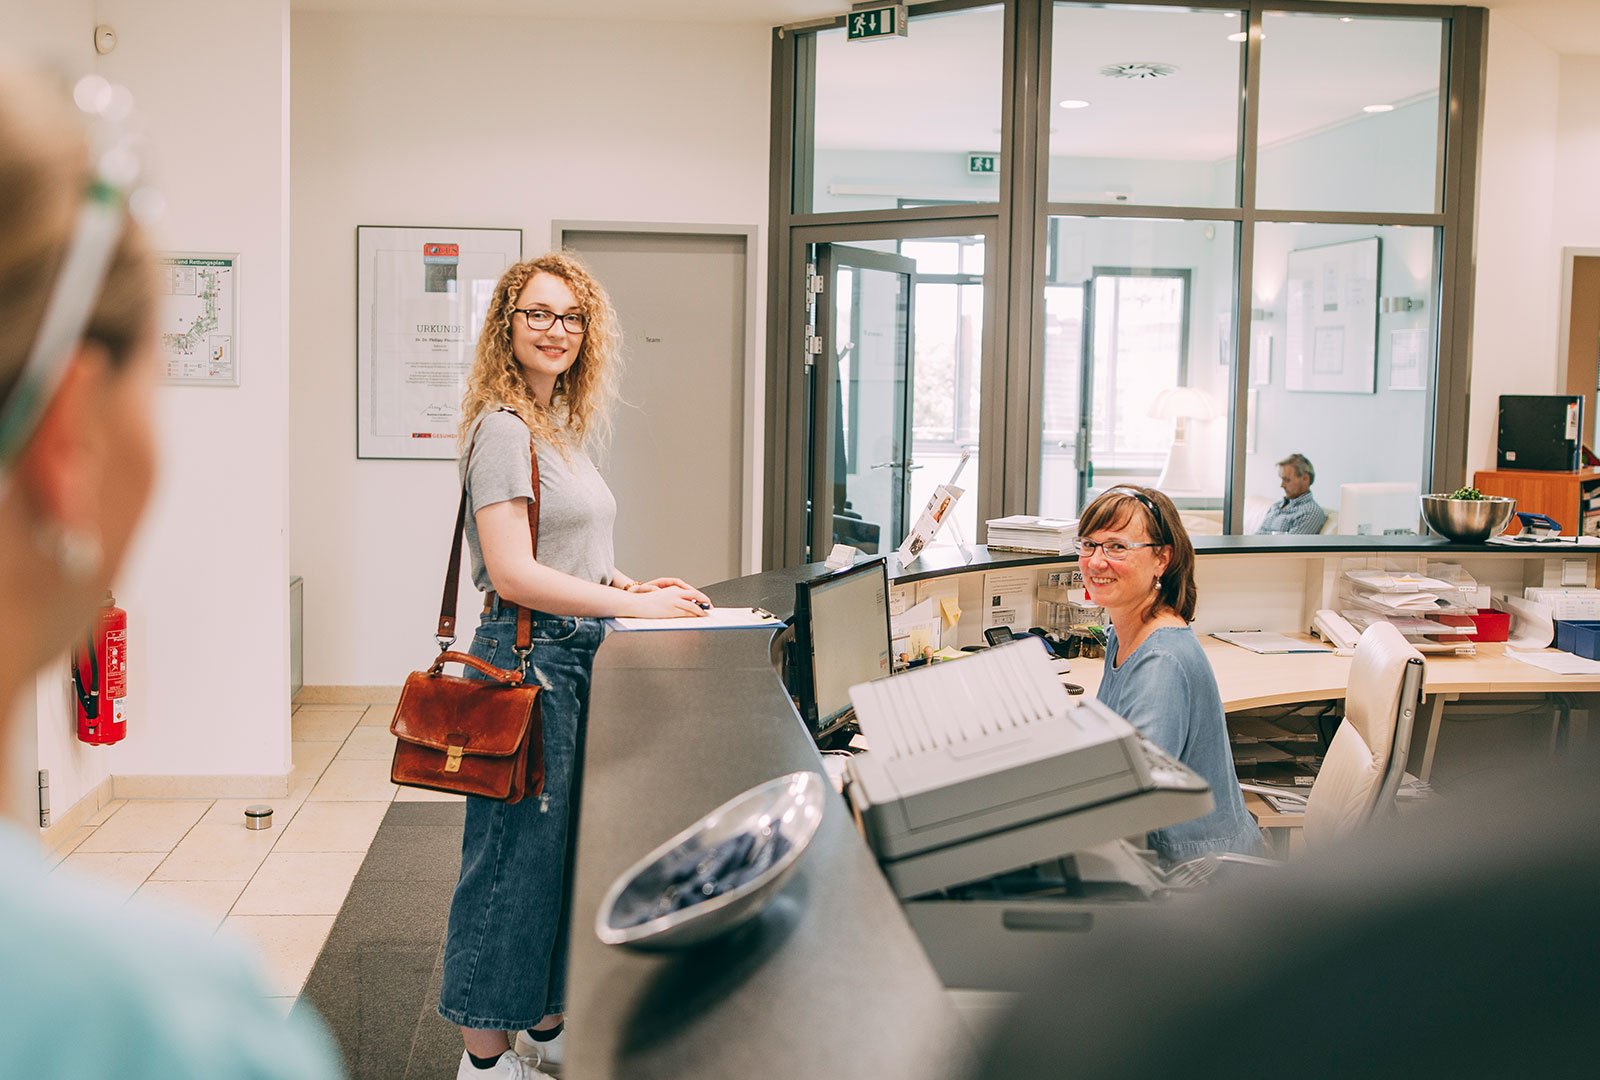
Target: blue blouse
{"points": [[1168, 691]]}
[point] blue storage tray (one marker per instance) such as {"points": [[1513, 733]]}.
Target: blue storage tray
{"points": [[1578, 636]]}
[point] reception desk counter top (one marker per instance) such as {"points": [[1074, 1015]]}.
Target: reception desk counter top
{"points": [[831, 981]]}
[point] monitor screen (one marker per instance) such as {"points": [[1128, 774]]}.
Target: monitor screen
{"points": [[1378, 509], [842, 630]]}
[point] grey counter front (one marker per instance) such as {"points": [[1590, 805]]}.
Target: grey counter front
{"points": [[830, 981]]}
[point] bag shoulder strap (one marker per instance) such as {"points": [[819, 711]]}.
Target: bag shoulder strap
{"points": [[446, 633]]}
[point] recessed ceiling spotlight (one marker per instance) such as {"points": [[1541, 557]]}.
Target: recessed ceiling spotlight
{"points": [[1346, 18], [1230, 14], [1240, 36], [1377, 108], [1074, 103]]}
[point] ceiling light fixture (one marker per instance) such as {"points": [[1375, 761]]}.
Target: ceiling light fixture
{"points": [[1377, 108], [1074, 103], [1240, 36], [1139, 69], [1346, 18]]}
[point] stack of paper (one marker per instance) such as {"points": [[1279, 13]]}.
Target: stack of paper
{"points": [[1411, 602], [1029, 532]]}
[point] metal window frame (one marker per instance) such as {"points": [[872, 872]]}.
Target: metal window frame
{"points": [[1016, 241]]}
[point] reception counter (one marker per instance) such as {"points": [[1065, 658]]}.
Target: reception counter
{"points": [[831, 981]]}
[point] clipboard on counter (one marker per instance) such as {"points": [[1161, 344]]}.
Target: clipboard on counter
{"points": [[1268, 643], [718, 618]]}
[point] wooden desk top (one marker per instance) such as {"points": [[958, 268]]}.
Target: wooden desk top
{"points": [[1250, 680]]}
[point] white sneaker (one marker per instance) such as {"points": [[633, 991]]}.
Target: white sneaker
{"points": [[511, 1066], [546, 1055]]}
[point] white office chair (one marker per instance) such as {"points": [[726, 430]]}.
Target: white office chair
{"points": [[1365, 762]]}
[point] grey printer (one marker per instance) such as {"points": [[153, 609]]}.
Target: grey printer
{"points": [[986, 764], [983, 781]]}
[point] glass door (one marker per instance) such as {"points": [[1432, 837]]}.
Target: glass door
{"points": [[860, 346]]}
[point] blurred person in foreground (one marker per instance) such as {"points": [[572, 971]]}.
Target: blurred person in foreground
{"points": [[92, 987], [1457, 942]]}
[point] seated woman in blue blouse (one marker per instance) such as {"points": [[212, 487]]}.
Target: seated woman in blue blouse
{"points": [[1138, 564]]}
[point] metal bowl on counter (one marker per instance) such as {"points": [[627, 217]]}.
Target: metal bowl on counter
{"points": [[1467, 521], [717, 873]]}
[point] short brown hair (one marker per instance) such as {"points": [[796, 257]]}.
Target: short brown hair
{"points": [[1119, 507]]}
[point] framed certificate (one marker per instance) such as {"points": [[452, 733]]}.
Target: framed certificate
{"points": [[421, 297]]}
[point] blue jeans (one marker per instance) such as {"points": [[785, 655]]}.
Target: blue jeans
{"points": [[505, 954]]}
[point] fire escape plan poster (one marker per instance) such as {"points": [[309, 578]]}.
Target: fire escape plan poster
{"points": [[199, 318], [421, 296]]}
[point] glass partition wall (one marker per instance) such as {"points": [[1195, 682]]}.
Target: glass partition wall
{"points": [[1097, 243]]}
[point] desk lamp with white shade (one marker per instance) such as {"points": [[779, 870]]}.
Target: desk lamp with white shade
{"points": [[1181, 404]]}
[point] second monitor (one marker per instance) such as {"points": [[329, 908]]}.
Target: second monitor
{"points": [[841, 629]]}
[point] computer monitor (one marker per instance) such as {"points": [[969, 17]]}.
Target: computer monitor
{"points": [[841, 631], [1379, 509]]}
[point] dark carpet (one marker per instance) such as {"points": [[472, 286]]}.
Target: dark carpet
{"points": [[376, 983]]}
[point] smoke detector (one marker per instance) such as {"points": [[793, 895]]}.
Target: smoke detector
{"points": [[1139, 69]]}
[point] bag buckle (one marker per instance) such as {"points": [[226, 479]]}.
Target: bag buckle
{"points": [[452, 756], [444, 642], [522, 659]]}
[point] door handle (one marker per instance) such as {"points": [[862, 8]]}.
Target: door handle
{"points": [[886, 465]]}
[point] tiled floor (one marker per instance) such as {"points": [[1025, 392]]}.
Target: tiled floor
{"points": [[279, 888]]}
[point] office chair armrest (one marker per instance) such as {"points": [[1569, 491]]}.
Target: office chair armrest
{"points": [[1275, 792]]}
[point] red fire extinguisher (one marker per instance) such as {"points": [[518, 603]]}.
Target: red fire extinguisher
{"points": [[100, 677]]}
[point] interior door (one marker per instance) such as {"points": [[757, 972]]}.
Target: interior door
{"points": [[861, 387], [1135, 345], [679, 437]]}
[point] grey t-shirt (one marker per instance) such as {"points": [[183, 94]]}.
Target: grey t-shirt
{"points": [[576, 510]]}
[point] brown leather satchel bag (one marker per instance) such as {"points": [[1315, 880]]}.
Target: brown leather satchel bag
{"points": [[469, 736]]}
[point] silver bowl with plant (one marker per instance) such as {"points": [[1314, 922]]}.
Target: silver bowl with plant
{"points": [[1467, 515]]}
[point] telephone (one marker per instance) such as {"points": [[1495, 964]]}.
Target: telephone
{"points": [[1335, 629]]}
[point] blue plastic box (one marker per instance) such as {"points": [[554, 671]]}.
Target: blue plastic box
{"points": [[1578, 636]]}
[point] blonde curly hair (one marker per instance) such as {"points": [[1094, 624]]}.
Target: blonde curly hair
{"points": [[579, 412]]}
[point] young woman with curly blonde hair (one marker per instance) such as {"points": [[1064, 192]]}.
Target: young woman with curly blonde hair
{"points": [[543, 381]]}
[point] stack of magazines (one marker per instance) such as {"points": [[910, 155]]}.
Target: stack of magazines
{"points": [[1028, 532]]}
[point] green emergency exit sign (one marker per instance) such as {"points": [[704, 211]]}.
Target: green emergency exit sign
{"points": [[865, 24], [983, 164]]}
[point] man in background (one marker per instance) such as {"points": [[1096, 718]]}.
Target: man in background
{"points": [[1298, 512]]}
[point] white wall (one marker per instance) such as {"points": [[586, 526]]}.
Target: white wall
{"points": [[207, 585], [206, 582], [1577, 195], [1515, 306], [472, 121]]}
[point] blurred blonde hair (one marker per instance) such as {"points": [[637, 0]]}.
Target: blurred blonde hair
{"points": [[580, 407], [44, 170]]}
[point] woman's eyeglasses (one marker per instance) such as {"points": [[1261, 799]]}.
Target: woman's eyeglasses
{"points": [[1115, 550], [540, 319]]}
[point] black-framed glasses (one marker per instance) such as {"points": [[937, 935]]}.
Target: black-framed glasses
{"points": [[1115, 550], [539, 319]]}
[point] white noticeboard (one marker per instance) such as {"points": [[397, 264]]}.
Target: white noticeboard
{"points": [[421, 297], [199, 318], [1332, 340]]}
